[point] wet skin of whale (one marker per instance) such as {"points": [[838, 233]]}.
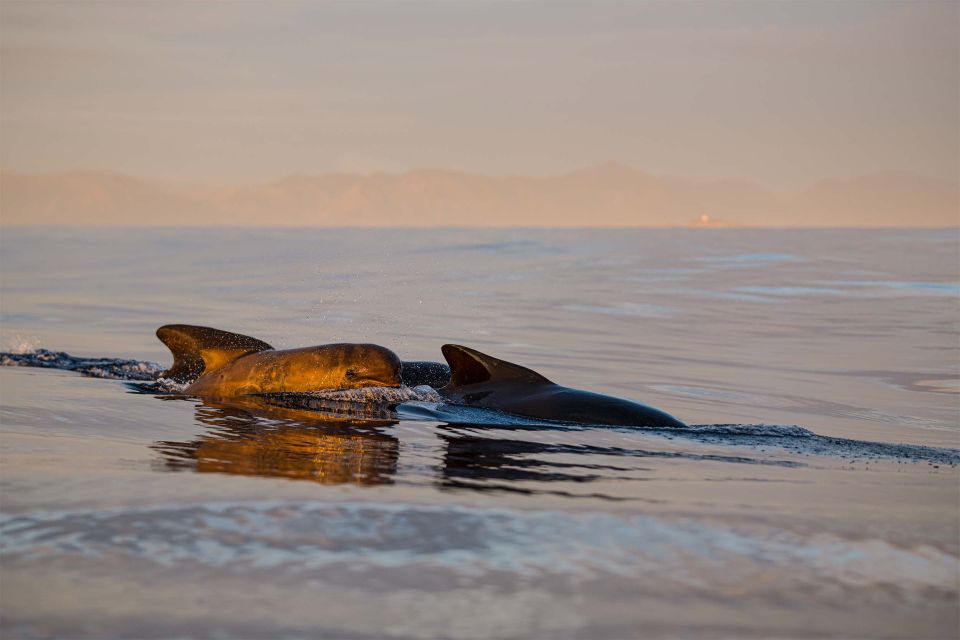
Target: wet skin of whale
{"points": [[220, 364], [223, 364], [479, 380]]}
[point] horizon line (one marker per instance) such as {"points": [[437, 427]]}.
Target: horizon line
{"points": [[373, 173], [415, 227]]}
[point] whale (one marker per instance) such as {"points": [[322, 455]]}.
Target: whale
{"points": [[481, 380], [221, 364]]}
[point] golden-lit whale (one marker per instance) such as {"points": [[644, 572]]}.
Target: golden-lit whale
{"points": [[222, 364]]}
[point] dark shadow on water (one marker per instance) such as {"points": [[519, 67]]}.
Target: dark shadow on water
{"points": [[498, 465]]}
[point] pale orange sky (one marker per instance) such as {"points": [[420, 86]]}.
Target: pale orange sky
{"points": [[780, 93]]}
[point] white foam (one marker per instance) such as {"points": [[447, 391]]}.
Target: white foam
{"points": [[378, 395], [170, 386], [765, 430], [20, 345]]}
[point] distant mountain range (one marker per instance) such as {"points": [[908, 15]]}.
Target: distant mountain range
{"points": [[605, 195]]}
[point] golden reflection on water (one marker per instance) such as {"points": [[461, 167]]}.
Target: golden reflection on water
{"points": [[254, 438]]}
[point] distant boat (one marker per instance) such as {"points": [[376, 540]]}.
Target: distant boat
{"points": [[706, 221]]}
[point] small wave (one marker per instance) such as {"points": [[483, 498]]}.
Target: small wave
{"points": [[803, 441], [363, 395], [294, 538], [759, 430], [166, 385], [638, 309], [793, 291], [790, 437], [501, 247], [111, 368], [750, 258], [936, 288], [439, 411]]}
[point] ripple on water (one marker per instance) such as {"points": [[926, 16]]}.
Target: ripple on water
{"points": [[750, 258], [297, 538], [937, 288], [624, 309]]}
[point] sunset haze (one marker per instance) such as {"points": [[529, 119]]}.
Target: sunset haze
{"points": [[486, 113]]}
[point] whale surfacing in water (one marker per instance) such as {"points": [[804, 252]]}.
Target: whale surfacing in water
{"points": [[479, 380], [222, 364]]}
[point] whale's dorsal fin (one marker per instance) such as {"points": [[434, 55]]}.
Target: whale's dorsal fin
{"points": [[469, 366], [199, 349]]}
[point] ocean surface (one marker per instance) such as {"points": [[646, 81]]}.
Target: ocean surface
{"points": [[815, 495]]}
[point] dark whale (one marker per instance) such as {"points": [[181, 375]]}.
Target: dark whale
{"points": [[479, 380]]}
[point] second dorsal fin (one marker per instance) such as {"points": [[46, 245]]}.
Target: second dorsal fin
{"points": [[469, 366], [199, 349]]}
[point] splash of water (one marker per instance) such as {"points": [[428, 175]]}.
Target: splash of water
{"points": [[112, 368], [19, 345]]}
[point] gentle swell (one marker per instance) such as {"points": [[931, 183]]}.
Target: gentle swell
{"points": [[332, 540]]}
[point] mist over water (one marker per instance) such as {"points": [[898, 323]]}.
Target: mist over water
{"points": [[816, 493]]}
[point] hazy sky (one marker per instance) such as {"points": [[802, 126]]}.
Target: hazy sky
{"points": [[779, 92]]}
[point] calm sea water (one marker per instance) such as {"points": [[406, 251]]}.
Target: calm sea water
{"points": [[829, 509]]}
